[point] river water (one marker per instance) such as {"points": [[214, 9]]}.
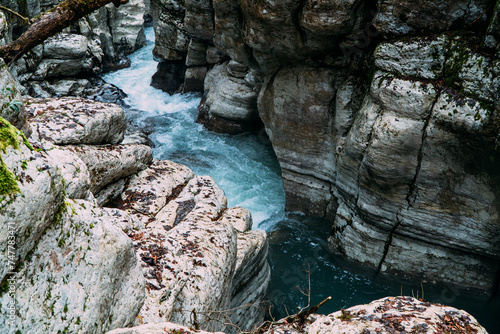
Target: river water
{"points": [[245, 167]]}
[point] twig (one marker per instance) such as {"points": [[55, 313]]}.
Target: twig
{"points": [[303, 315], [10, 11], [196, 324], [487, 9]]}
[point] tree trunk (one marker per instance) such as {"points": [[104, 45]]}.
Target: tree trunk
{"points": [[50, 23]]}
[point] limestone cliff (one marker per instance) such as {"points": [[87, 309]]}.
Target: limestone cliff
{"points": [[384, 117]]}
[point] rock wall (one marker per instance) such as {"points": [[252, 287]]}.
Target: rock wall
{"points": [[384, 117], [98, 235]]}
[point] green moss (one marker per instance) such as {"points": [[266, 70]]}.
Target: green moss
{"points": [[4, 287], [9, 135], [8, 183]]}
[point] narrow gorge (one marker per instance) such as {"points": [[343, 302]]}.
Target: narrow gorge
{"points": [[173, 166]]}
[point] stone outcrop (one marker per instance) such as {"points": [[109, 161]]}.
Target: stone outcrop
{"points": [[167, 249], [76, 121], [82, 276], [387, 315], [230, 105], [63, 261], [196, 254], [382, 122]]}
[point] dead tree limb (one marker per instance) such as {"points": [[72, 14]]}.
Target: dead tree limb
{"points": [[50, 23]]}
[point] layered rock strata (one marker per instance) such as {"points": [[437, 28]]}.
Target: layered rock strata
{"points": [[384, 117]]}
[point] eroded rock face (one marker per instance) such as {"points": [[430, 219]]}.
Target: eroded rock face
{"points": [[411, 168], [100, 41], [75, 266], [231, 100], [107, 164]]}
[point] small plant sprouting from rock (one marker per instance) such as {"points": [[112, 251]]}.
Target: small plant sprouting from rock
{"points": [[345, 315]]}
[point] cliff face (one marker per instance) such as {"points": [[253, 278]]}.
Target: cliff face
{"points": [[384, 117]]}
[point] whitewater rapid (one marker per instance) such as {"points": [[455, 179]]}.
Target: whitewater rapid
{"points": [[244, 166]]}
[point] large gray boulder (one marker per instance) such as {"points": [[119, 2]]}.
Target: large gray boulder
{"points": [[30, 195], [66, 121], [196, 255]]}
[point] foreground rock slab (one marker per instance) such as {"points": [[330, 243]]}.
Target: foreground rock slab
{"points": [[386, 315], [197, 256]]}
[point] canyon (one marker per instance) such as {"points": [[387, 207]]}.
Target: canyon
{"points": [[384, 118]]}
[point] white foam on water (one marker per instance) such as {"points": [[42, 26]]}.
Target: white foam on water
{"points": [[244, 166]]}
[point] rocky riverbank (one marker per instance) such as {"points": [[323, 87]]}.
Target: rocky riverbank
{"points": [[386, 126]]}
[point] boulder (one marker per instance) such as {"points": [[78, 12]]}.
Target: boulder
{"points": [[158, 328], [76, 121]]}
